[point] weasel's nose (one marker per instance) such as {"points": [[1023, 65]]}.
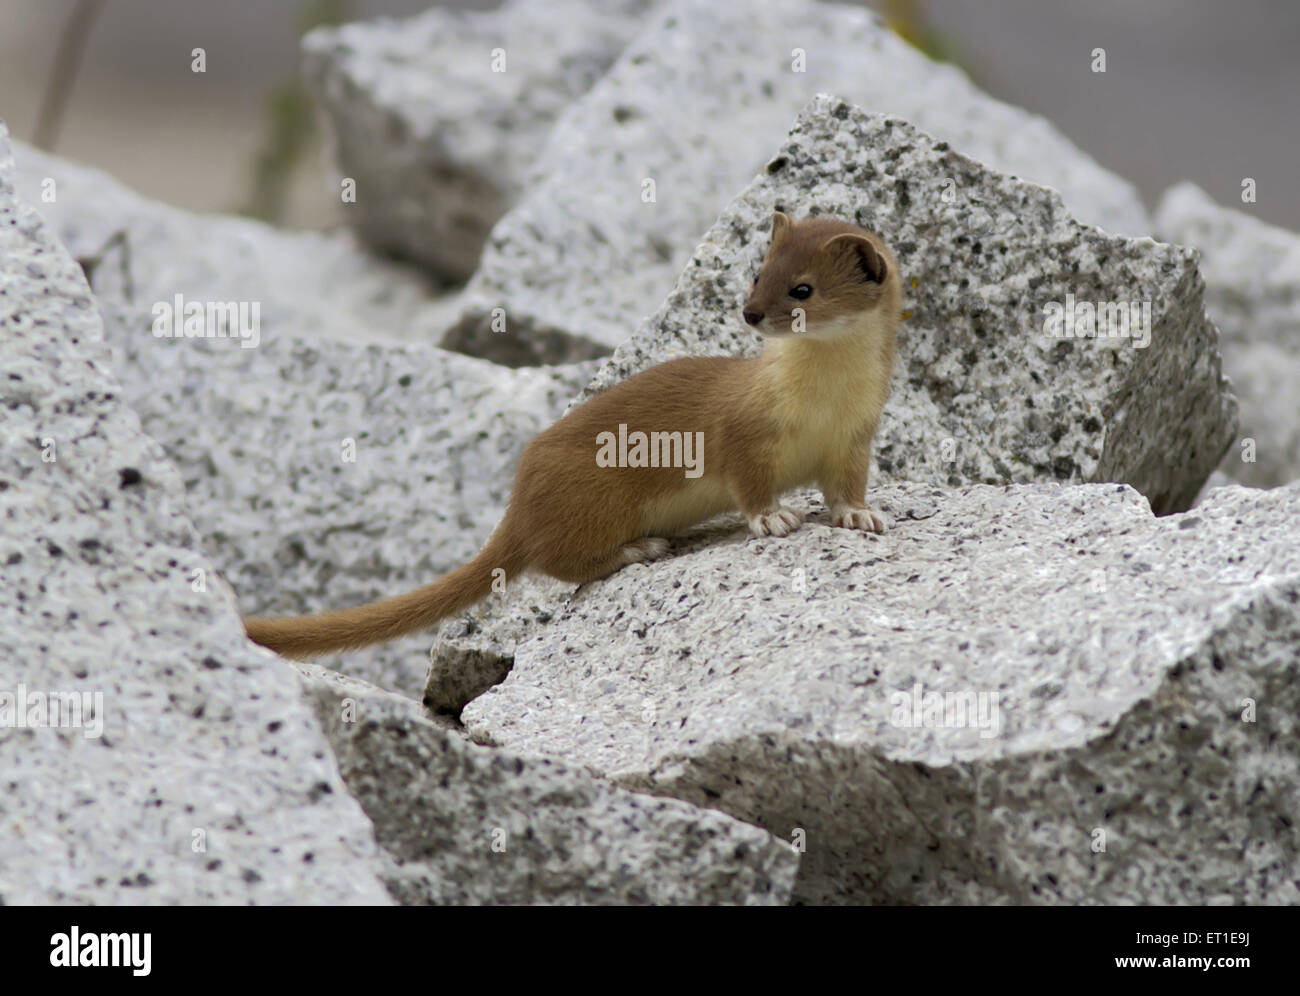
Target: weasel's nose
{"points": [[752, 317]]}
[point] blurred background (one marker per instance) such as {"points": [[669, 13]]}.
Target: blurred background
{"points": [[1193, 89]]}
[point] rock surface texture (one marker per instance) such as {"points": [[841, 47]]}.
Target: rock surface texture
{"points": [[1105, 679], [1252, 291], [322, 470], [438, 118], [983, 391], [142, 251], [469, 824], [198, 775], [1068, 673], [635, 171]]}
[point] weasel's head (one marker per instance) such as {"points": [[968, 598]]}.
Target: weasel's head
{"points": [[823, 279]]}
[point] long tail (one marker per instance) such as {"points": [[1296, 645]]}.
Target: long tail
{"points": [[348, 629]]}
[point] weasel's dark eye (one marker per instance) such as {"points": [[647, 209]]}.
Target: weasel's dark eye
{"points": [[755, 279], [801, 293]]}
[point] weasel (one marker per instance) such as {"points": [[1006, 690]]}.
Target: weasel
{"points": [[827, 298]]}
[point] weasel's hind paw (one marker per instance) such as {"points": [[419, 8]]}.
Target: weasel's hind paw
{"points": [[647, 548], [870, 520], [782, 522]]}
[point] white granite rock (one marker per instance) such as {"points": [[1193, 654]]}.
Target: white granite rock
{"points": [[982, 392], [195, 773], [476, 649], [321, 471], [1252, 291], [439, 118], [695, 106], [465, 824], [1130, 685], [323, 286]]}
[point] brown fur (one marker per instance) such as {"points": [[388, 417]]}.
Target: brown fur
{"points": [[803, 412]]}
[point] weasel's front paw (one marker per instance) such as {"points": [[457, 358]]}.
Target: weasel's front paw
{"points": [[870, 520], [646, 548], [782, 522]]}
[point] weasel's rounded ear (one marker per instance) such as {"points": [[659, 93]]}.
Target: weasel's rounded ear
{"points": [[781, 224], [871, 262]]}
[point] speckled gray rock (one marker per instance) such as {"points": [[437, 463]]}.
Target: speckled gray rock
{"points": [[262, 437], [1132, 686], [982, 392], [476, 649], [208, 781], [297, 526], [323, 286], [695, 105], [438, 118], [1252, 291], [470, 824]]}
